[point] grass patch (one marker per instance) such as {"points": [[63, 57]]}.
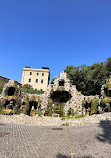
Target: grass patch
{"points": [[77, 116]]}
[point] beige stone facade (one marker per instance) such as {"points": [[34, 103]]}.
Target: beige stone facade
{"points": [[37, 78]]}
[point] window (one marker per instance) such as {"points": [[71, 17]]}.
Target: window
{"points": [[36, 80], [42, 74], [37, 74], [30, 73], [41, 81], [61, 83], [29, 80]]}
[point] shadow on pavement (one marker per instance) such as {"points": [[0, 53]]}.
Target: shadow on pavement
{"points": [[64, 156], [106, 136]]}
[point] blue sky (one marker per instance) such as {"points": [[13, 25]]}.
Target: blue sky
{"points": [[53, 33]]}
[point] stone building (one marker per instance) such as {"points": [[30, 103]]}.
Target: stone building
{"points": [[37, 78]]}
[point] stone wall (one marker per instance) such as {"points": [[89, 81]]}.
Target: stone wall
{"points": [[12, 98], [8, 85], [61, 85], [75, 102], [11, 95]]}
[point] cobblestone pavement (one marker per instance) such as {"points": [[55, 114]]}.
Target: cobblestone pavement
{"points": [[31, 141]]}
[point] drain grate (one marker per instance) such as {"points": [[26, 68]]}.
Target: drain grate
{"points": [[1, 124], [57, 128], [3, 134]]}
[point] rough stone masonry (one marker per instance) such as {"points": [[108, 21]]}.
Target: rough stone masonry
{"points": [[63, 84]]}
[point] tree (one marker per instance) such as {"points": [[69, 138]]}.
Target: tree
{"points": [[108, 66], [89, 79]]}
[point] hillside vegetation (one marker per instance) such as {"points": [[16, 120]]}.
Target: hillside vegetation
{"points": [[89, 79]]}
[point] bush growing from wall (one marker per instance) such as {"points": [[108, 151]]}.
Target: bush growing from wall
{"points": [[91, 106], [1, 88], [16, 110], [70, 112], [1, 111], [94, 106], [106, 104], [57, 108], [27, 105], [29, 89], [87, 105]]}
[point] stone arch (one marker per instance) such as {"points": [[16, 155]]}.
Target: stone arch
{"points": [[60, 96]]}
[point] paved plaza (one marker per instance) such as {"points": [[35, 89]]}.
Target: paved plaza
{"points": [[31, 141]]}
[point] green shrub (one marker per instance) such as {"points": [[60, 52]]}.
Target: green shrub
{"points": [[29, 89], [77, 116], [86, 104], [94, 106], [48, 111], [1, 88], [58, 109], [1, 111], [16, 110], [70, 112], [35, 112], [27, 106], [106, 104], [39, 112]]}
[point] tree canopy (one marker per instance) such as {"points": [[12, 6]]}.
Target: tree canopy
{"points": [[89, 79]]}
